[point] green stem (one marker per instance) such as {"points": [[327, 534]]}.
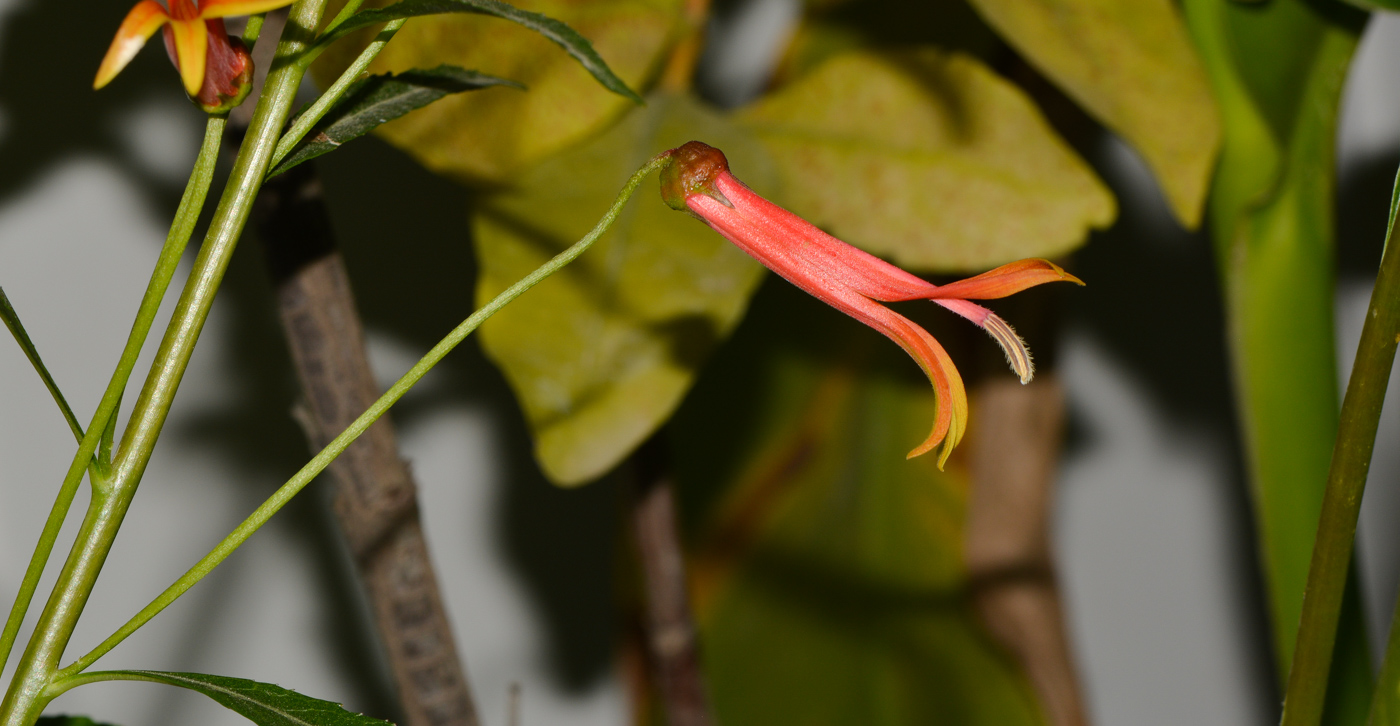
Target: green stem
{"points": [[253, 29], [191, 203], [1341, 503], [345, 12], [308, 118], [11, 318], [323, 459], [1385, 700], [24, 699]]}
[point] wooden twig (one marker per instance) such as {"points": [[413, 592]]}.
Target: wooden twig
{"points": [[1015, 449], [375, 497], [670, 628]]}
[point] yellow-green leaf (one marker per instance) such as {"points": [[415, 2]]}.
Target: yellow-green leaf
{"points": [[827, 568], [1131, 64], [602, 352], [928, 158], [489, 137]]}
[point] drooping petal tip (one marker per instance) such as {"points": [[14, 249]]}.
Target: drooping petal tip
{"points": [[190, 41], [138, 27], [1006, 280]]}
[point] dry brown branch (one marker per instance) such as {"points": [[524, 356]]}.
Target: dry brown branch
{"points": [[375, 497]]}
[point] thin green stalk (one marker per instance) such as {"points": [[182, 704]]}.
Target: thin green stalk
{"points": [[97, 467], [25, 700], [253, 29], [323, 459], [11, 318], [1385, 701], [191, 203], [308, 118], [345, 12], [1341, 503]]}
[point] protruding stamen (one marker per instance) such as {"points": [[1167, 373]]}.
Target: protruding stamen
{"points": [[1017, 354]]}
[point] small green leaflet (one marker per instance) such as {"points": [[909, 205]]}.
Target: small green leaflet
{"points": [[574, 44], [262, 703], [380, 99]]}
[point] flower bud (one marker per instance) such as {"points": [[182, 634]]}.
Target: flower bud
{"points": [[692, 169], [228, 69]]}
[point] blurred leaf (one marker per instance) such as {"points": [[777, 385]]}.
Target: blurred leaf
{"points": [[565, 37], [262, 703], [1278, 70], [928, 158], [827, 568], [376, 100], [602, 352], [486, 137], [67, 721], [1131, 64]]}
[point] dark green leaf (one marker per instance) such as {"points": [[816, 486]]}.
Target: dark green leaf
{"points": [[488, 138], [261, 703], [567, 38], [380, 99]]}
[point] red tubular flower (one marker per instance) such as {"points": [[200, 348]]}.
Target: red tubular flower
{"points": [[212, 66], [697, 180]]}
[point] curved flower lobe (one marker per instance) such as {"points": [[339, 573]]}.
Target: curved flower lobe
{"points": [[697, 180]]}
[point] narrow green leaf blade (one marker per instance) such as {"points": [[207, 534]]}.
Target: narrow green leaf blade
{"points": [[567, 38], [262, 703], [489, 138], [380, 99], [11, 318]]}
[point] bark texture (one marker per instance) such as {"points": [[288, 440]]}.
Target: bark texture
{"points": [[375, 498], [671, 641], [1015, 450]]}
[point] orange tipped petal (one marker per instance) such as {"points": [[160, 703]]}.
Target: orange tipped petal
{"points": [[1005, 280], [191, 41], [950, 420], [138, 27], [232, 8]]}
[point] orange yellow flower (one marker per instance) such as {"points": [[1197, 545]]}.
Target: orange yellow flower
{"points": [[697, 179], [189, 31]]}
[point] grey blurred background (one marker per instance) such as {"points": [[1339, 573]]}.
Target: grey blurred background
{"points": [[1152, 525]]}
